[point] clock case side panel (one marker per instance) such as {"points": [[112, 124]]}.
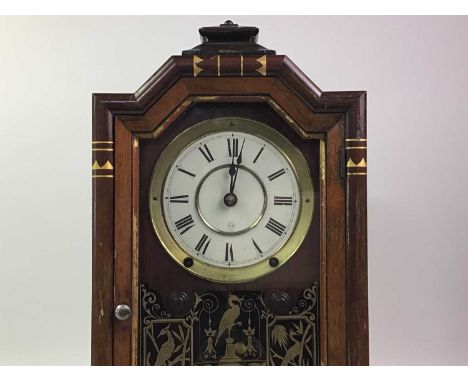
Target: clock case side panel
{"points": [[279, 75], [106, 106], [353, 168], [102, 234]]}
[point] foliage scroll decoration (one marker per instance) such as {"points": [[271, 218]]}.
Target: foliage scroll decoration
{"points": [[229, 328]]}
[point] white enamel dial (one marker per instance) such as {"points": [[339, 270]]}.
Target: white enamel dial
{"points": [[225, 213]]}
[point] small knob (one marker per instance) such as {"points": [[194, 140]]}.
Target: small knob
{"points": [[228, 23], [123, 312]]}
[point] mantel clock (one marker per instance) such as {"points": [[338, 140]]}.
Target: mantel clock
{"points": [[229, 214]]}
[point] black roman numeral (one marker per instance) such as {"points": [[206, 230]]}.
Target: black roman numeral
{"points": [[283, 200], [255, 160], [275, 226], [185, 171], [234, 149], [184, 224], [276, 174], [203, 244], [257, 247], [178, 199], [229, 254], [206, 153]]}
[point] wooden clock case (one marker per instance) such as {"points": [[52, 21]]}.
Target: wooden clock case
{"points": [[229, 74]]}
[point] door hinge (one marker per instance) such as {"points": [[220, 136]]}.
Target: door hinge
{"points": [[342, 163]]}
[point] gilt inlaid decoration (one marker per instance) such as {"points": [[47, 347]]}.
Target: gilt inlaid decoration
{"points": [[228, 328]]}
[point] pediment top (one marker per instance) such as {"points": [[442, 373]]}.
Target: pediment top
{"points": [[228, 39]]}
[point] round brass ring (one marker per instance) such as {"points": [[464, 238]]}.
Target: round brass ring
{"points": [[262, 131], [227, 232]]}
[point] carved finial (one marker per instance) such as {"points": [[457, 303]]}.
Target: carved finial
{"points": [[228, 23], [228, 39]]}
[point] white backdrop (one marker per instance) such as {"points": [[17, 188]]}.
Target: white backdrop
{"points": [[415, 70]]}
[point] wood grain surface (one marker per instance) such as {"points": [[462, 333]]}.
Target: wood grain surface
{"points": [[139, 126]]}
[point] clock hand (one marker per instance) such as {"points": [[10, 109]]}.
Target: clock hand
{"points": [[230, 199], [239, 161], [232, 172]]}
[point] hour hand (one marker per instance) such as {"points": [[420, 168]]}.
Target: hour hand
{"points": [[239, 161], [232, 173]]}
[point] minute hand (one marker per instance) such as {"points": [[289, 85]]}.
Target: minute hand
{"points": [[232, 172], [238, 162]]}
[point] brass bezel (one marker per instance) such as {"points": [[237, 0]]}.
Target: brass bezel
{"points": [[290, 153]]}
